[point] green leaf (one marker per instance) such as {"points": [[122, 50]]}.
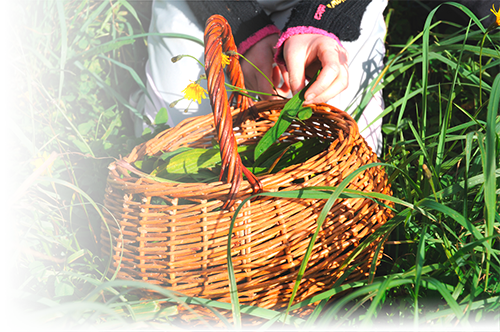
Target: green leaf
{"points": [[82, 146], [270, 155], [284, 154], [63, 287], [287, 115], [83, 44], [170, 154], [37, 269], [305, 113], [188, 163], [85, 127], [161, 117]]}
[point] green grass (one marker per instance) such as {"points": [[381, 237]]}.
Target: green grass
{"points": [[75, 64]]}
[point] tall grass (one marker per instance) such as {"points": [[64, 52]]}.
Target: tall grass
{"points": [[75, 64]]}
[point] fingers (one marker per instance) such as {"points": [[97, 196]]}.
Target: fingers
{"points": [[333, 78], [295, 58], [283, 87], [306, 54]]}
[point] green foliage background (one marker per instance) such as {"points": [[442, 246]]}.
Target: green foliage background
{"points": [[72, 66]]}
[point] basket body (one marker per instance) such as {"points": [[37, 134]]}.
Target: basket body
{"points": [[175, 234]]}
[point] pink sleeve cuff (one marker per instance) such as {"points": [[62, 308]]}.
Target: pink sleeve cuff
{"points": [[278, 57], [256, 37]]}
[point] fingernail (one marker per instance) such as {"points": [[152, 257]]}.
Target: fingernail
{"points": [[310, 97]]}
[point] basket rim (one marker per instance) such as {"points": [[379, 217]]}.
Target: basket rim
{"points": [[350, 131]]}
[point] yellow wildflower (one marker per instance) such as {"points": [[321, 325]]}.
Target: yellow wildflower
{"points": [[225, 60], [40, 160], [497, 14], [194, 92]]}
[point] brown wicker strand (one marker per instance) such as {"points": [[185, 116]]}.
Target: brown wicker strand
{"points": [[218, 36]]}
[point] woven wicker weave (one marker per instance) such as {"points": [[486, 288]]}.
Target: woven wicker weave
{"points": [[175, 234]]}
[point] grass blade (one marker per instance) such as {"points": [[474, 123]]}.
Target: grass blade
{"points": [[447, 296], [440, 153], [233, 287], [456, 216], [105, 48], [489, 165], [491, 157], [375, 302], [132, 72], [64, 45], [472, 306], [342, 302], [418, 271]]}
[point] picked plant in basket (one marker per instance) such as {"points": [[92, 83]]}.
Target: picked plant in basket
{"points": [[267, 156]]}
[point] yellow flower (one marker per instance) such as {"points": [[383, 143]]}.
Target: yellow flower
{"points": [[225, 60], [497, 14], [194, 92], [40, 160]]}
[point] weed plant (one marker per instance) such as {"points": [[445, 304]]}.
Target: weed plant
{"points": [[76, 62]]}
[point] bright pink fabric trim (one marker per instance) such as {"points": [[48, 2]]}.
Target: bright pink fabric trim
{"points": [[319, 12], [278, 57], [256, 37]]}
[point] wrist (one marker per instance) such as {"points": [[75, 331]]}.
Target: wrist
{"points": [[256, 37], [278, 57]]}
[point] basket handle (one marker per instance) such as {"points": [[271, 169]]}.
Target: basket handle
{"points": [[218, 39]]}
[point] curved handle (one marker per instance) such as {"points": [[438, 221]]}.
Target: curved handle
{"points": [[218, 39]]}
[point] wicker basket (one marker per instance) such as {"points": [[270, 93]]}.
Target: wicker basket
{"points": [[175, 234]]}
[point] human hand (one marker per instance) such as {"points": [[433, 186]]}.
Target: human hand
{"points": [[261, 54], [304, 55]]}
